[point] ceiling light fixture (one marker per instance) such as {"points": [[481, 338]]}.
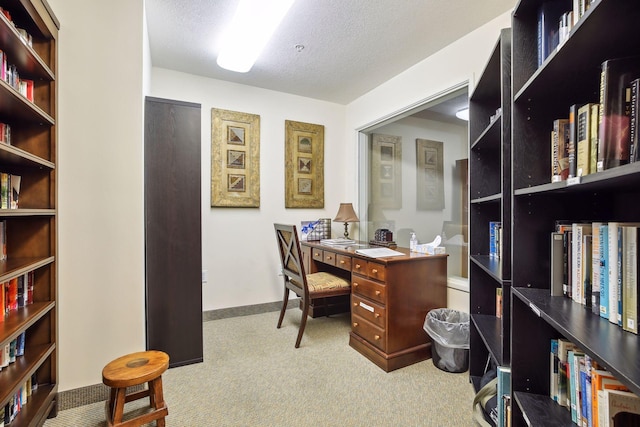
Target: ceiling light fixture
{"points": [[251, 28], [463, 114]]}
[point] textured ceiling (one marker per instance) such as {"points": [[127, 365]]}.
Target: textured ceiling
{"points": [[350, 46]]}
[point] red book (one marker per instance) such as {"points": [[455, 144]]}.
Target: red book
{"points": [[12, 294]]}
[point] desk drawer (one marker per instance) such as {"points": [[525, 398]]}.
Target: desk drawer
{"points": [[370, 269], [343, 262], [376, 271], [369, 289], [375, 335], [329, 257], [317, 254], [374, 313]]}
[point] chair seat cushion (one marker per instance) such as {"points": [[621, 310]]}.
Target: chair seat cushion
{"points": [[325, 281]]}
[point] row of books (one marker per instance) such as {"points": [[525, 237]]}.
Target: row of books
{"points": [[16, 293], [593, 395], [599, 136], [555, 22], [9, 73], [495, 239], [25, 37], [5, 133], [9, 412], [9, 190], [596, 264]]}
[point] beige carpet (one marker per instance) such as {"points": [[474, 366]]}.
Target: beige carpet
{"points": [[253, 376]]}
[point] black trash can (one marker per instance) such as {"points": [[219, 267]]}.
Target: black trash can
{"points": [[449, 332]]}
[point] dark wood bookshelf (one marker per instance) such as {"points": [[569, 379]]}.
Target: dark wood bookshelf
{"points": [[569, 75], [490, 200], [31, 230]]}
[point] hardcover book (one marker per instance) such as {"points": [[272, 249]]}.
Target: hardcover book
{"points": [[583, 138], [593, 133], [615, 97], [573, 140], [549, 14], [560, 150], [630, 279], [620, 408], [604, 270]]}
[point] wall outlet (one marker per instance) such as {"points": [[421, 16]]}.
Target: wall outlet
{"points": [[205, 276]]}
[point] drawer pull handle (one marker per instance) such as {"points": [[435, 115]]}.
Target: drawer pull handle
{"points": [[329, 258], [355, 304], [377, 337], [355, 324], [374, 271], [317, 254], [358, 266], [341, 261], [376, 315], [355, 284], [377, 293]]}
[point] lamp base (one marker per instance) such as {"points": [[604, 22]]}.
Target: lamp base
{"points": [[346, 230]]}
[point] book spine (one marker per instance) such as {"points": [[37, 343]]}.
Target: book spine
{"points": [[613, 272], [595, 267], [604, 271], [630, 280], [633, 120], [593, 136], [557, 261], [573, 139], [620, 272], [582, 140]]}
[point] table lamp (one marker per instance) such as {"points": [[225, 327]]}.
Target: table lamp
{"points": [[346, 214]]}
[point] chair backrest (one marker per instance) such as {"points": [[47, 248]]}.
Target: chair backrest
{"points": [[291, 256]]}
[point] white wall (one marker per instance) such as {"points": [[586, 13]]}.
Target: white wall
{"points": [[100, 175], [100, 186], [238, 244]]}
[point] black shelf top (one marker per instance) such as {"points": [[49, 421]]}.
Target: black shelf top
{"points": [[492, 265], [609, 344], [491, 198], [621, 178], [490, 137], [490, 329], [540, 410]]}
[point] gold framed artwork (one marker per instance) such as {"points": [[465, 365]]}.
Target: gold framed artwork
{"points": [[386, 171], [430, 178], [235, 159], [304, 165]]}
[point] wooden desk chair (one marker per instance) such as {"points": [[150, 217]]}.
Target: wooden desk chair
{"points": [[306, 286]]}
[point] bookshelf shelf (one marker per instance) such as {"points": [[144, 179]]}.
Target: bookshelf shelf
{"points": [[490, 200], [31, 230], [490, 330], [570, 75]]}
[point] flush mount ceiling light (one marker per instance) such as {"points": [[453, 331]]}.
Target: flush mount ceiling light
{"points": [[249, 31], [463, 114]]}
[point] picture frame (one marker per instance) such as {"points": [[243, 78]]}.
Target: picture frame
{"points": [[304, 165], [386, 171], [235, 159], [429, 175]]}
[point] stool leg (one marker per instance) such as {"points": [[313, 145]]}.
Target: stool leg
{"points": [[118, 409], [112, 402], [156, 397]]}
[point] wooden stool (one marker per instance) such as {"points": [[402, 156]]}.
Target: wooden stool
{"points": [[132, 370]]}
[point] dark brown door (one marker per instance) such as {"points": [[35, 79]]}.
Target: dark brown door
{"points": [[173, 237]]}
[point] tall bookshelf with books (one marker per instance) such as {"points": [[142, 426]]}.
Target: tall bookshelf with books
{"points": [[490, 211], [28, 268], [558, 297]]}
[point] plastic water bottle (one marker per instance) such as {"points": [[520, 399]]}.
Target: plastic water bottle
{"points": [[413, 242]]}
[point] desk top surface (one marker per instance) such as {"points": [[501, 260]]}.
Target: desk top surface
{"points": [[351, 249]]}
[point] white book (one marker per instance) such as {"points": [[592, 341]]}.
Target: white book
{"points": [[378, 252]]}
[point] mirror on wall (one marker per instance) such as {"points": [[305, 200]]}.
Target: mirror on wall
{"points": [[413, 177]]}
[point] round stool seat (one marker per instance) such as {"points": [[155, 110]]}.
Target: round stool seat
{"points": [[135, 368], [132, 370]]}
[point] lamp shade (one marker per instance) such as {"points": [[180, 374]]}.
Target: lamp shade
{"points": [[346, 213]]}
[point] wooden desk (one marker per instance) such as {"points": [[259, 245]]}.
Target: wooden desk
{"points": [[390, 298]]}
